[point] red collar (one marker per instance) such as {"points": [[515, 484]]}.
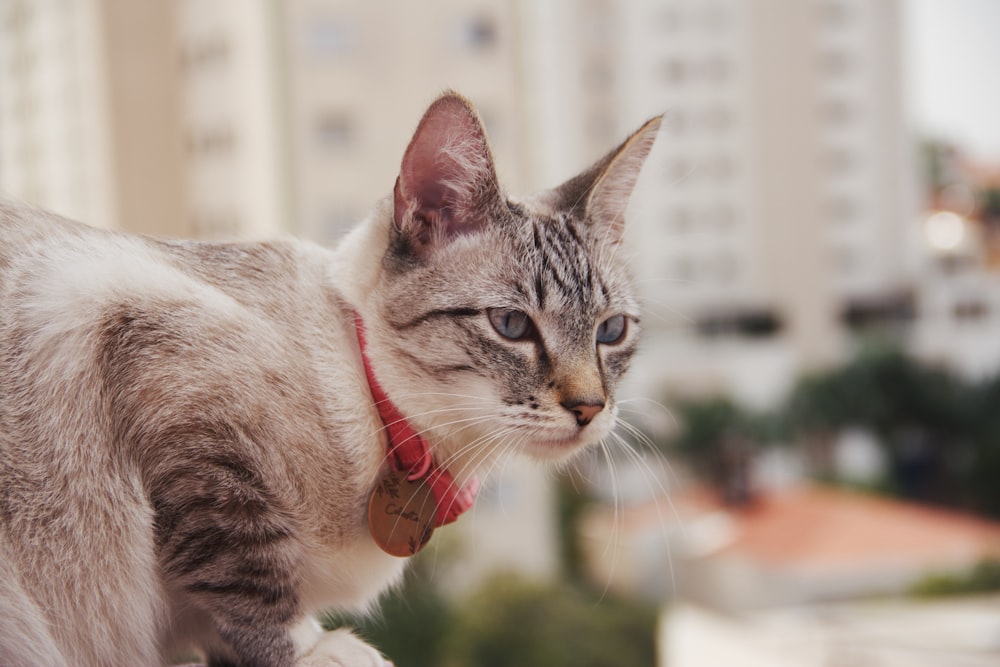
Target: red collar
{"points": [[408, 451]]}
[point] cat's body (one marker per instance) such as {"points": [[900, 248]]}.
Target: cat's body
{"points": [[188, 440], [160, 369]]}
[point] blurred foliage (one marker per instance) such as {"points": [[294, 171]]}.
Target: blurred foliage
{"points": [[710, 422], [571, 502], [934, 159], [719, 439], [940, 434], [984, 578], [509, 621], [989, 205], [883, 390], [410, 623]]}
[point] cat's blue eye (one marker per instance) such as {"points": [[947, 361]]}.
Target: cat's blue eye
{"points": [[512, 324], [611, 330]]}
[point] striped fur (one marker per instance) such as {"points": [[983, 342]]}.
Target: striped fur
{"points": [[187, 440]]}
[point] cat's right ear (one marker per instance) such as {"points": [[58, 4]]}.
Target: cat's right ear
{"points": [[447, 183], [601, 194]]}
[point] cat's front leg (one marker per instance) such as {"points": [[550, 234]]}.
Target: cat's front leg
{"points": [[230, 553], [339, 648]]}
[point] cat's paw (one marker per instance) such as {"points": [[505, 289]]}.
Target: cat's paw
{"points": [[341, 648]]}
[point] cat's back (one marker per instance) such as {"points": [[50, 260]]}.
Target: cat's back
{"points": [[61, 282], [66, 273], [25, 230], [36, 245], [81, 305]]}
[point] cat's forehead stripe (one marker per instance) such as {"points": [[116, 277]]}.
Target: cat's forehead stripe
{"points": [[563, 263]]}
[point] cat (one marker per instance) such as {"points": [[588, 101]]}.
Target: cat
{"points": [[189, 443]]}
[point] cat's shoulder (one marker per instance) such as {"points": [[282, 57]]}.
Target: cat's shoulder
{"points": [[60, 268]]}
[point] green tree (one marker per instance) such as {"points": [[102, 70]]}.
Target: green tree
{"points": [[984, 578], [411, 621], [921, 414], [941, 434], [981, 469], [512, 622], [720, 439]]}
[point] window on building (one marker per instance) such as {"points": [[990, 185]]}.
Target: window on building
{"points": [[722, 168], [679, 220], [674, 71], [218, 140], [716, 118], [721, 217], [477, 32], [19, 16], [741, 322], [833, 13], [836, 112], [880, 311], [717, 69], [204, 52], [334, 131], [209, 141], [838, 161], [843, 209], [969, 310], [835, 63], [329, 37]]}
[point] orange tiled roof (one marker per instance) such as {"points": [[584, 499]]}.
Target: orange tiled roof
{"points": [[808, 526]]}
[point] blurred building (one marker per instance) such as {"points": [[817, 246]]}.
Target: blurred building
{"points": [[231, 117], [962, 632], [959, 300], [511, 529], [783, 152], [238, 118], [358, 77], [774, 217], [776, 214], [88, 123], [252, 118], [798, 545], [297, 113]]}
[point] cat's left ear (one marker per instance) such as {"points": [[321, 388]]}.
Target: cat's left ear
{"points": [[447, 184], [601, 194]]}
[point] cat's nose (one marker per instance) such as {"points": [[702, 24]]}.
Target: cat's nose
{"points": [[583, 410]]}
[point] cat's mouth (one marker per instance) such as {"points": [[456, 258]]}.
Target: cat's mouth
{"points": [[554, 446], [554, 450]]}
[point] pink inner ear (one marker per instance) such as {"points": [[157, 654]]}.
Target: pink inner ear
{"points": [[445, 170], [610, 194], [427, 185]]}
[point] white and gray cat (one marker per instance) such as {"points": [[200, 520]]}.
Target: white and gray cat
{"points": [[188, 440]]}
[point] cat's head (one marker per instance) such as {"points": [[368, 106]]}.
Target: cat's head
{"points": [[503, 324]]}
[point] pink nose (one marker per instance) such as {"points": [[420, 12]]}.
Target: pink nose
{"points": [[583, 410]]}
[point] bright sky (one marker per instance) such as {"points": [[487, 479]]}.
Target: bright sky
{"points": [[953, 72]]}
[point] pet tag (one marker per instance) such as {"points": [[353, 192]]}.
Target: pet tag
{"points": [[401, 514]]}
